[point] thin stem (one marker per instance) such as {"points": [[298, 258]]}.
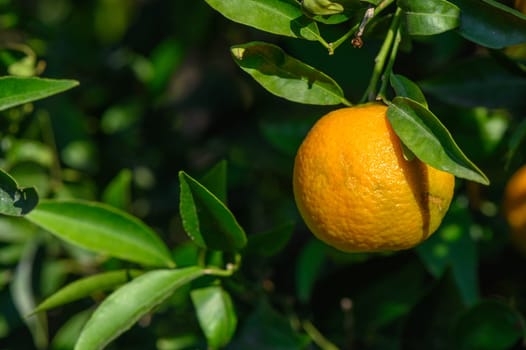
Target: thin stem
{"points": [[229, 269], [389, 69], [381, 58], [334, 45], [382, 6], [317, 337]]}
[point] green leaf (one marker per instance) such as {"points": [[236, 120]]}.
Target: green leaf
{"points": [[270, 243], [19, 90], [404, 87], [215, 180], [285, 76], [453, 248], [422, 132], [489, 325], [484, 83], [129, 303], [208, 222], [103, 229], [85, 287], [216, 315], [21, 290], [117, 193], [429, 17], [490, 23], [308, 268], [15, 201], [265, 328], [282, 17]]}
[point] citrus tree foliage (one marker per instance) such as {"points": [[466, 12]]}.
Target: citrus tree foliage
{"points": [[146, 156]]}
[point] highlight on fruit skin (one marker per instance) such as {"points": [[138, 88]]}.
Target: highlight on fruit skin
{"points": [[357, 193], [515, 208]]}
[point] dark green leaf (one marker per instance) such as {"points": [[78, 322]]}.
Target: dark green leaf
{"points": [[85, 287], [286, 76], [271, 242], [422, 132], [439, 308], [282, 17], [490, 23], [452, 247], [490, 325], [286, 135], [215, 180], [15, 201], [129, 303], [216, 315], [18, 90], [308, 268], [103, 229], [206, 219], [407, 88], [267, 329], [21, 289], [478, 82], [117, 193], [429, 17]]}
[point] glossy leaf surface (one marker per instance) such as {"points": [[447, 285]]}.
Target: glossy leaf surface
{"points": [[126, 305], [85, 287], [15, 201], [103, 229], [19, 90], [429, 17], [216, 314], [490, 23], [282, 17], [422, 132], [285, 76], [206, 219]]}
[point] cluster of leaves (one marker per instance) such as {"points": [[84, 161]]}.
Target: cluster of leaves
{"points": [[221, 287]]}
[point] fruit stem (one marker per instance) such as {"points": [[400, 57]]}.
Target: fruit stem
{"points": [[389, 68], [381, 58]]}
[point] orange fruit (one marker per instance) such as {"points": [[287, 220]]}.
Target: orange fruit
{"points": [[356, 192], [515, 207]]}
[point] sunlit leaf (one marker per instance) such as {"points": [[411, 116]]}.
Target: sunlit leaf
{"points": [[429, 17], [216, 314], [206, 219], [85, 287], [19, 90], [422, 132], [286, 76], [118, 312], [282, 17], [490, 23], [103, 229], [15, 201]]}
